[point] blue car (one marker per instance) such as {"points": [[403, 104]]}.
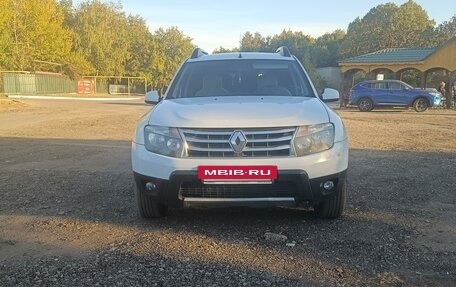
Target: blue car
{"points": [[368, 95]]}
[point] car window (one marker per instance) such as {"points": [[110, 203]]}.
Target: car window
{"points": [[240, 78], [406, 86], [395, 86], [381, 85]]}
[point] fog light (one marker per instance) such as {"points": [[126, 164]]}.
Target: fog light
{"points": [[150, 186], [328, 185]]}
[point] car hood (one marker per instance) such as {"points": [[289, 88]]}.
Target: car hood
{"points": [[427, 91], [239, 112], [421, 90]]}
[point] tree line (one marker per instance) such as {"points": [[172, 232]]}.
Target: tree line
{"points": [[384, 26], [98, 38], [93, 38]]}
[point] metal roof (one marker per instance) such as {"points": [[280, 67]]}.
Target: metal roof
{"points": [[392, 55]]}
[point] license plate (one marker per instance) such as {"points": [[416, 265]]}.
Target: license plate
{"points": [[242, 174]]}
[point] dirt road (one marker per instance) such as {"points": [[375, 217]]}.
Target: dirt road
{"points": [[68, 218]]}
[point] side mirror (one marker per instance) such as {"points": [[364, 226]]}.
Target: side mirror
{"points": [[151, 97], [330, 95]]}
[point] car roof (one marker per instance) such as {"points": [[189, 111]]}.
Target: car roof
{"points": [[379, 81], [240, 56]]}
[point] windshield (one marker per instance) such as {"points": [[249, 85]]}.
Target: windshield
{"points": [[407, 86], [240, 78]]}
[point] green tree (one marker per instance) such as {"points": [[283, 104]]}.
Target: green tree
{"points": [[388, 26], [5, 35], [445, 31], [297, 42], [32, 30], [370, 33], [140, 48], [224, 50], [169, 49], [66, 8], [101, 31], [411, 26], [325, 51], [254, 43]]}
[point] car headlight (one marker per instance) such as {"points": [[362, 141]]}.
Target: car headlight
{"points": [[313, 139], [164, 141], [437, 97]]}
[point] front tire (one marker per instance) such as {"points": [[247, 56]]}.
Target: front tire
{"points": [[365, 105], [420, 105], [148, 207], [333, 207]]}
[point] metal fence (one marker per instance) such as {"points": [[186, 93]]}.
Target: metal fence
{"points": [[118, 85], [23, 83], [39, 83]]}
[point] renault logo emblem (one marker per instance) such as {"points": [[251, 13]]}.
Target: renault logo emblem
{"points": [[238, 141]]}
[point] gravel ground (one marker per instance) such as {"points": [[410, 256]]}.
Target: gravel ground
{"points": [[68, 218]]}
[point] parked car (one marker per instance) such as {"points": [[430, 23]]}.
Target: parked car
{"points": [[241, 129], [368, 95]]}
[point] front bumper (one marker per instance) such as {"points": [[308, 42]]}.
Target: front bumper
{"points": [[292, 187], [320, 164]]}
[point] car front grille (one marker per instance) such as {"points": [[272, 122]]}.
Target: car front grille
{"points": [[275, 190], [270, 142]]}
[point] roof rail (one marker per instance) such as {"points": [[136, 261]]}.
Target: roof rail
{"points": [[283, 51], [198, 52]]}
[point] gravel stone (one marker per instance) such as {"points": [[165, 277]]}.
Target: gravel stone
{"points": [[269, 236], [77, 224]]}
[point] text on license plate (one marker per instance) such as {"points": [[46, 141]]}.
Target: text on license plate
{"points": [[237, 173]]}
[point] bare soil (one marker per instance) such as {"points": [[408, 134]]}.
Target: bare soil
{"points": [[68, 214], [430, 131], [10, 105]]}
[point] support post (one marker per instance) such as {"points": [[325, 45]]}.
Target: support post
{"points": [[449, 95], [424, 79]]}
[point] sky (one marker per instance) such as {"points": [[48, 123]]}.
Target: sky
{"points": [[212, 23]]}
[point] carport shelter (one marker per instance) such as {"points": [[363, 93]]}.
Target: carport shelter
{"points": [[398, 60]]}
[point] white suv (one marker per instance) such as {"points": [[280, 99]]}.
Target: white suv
{"points": [[240, 129]]}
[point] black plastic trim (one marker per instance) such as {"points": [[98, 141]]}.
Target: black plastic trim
{"points": [[283, 51], [198, 52], [308, 190]]}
